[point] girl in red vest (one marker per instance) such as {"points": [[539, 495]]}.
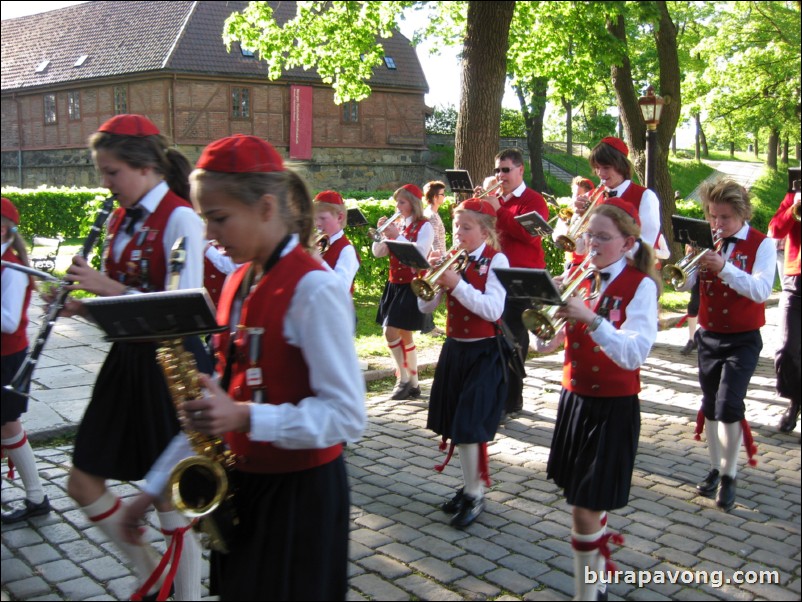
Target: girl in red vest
{"points": [[734, 284], [16, 295], [291, 389], [598, 418], [130, 418], [470, 386], [398, 311], [340, 255]]}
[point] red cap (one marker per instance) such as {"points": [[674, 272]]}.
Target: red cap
{"points": [[130, 125], [588, 183], [240, 154], [617, 144], [477, 205], [413, 190], [329, 196], [625, 206], [10, 211]]}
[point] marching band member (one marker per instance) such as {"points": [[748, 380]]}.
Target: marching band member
{"points": [[398, 312], [598, 417], [16, 289], [434, 193], [290, 484], [340, 255], [469, 382], [734, 284], [580, 189]]}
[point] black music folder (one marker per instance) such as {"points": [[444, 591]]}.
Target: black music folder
{"points": [[408, 254], [694, 232], [354, 217], [154, 316], [459, 180], [529, 283], [534, 224]]}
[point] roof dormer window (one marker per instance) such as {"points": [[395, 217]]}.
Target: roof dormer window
{"points": [[42, 66], [388, 60], [81, 60]]}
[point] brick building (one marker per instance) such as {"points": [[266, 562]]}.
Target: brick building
{"points": [[65, 72]]}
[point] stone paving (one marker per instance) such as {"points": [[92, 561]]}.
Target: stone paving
{"points": [[401, 545]]}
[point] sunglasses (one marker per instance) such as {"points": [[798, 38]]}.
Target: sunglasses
{"points": [[503, 169]]}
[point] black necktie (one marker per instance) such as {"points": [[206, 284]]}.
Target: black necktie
{"points": [[610, 193], [605, 276], [133, 215], [728, 241]]}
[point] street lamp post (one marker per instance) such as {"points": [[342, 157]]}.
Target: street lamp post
{"points": [[651, 106]]}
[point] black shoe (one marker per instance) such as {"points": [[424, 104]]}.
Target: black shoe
{"points": [[789, 418], [601, 596], [471, 508], [725, 498], [414, 393], [27, 511], [710, 484], [689, 346], [401, 390], [454, 505]]}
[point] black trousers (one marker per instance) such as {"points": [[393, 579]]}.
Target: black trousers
{"points": [[787, 358], [513, 310]]}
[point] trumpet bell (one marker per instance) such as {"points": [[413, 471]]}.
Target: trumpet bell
{"points": [[426, 287], [674, 275], [540, 323], [566, 243]]}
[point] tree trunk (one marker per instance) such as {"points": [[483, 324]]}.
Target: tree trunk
{"points": [[786, 145], [697, 138], [732, 150], [757, 152], [533, 112], [771, 149], [484, 71], [569, 128], [703, 140], [674, 145]]}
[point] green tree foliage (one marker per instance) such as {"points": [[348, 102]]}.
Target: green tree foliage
{"points": [[442, 121]]}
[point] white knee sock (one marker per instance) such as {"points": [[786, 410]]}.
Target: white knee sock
{"points": [[20, 453], [397, 351], [187, 581], [586, 558], [730, 435], [411, 356], [106, 513], [713, 446], [692, 322], [469, 460]]}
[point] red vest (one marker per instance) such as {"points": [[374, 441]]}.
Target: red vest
{"points": [[285, 374], [332, 254], [586, 369], [461, 322], [400, 273], [143, 264], [723, 310], [12, 342], [213, 279]]}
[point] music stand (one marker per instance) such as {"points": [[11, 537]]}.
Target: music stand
{"points": [[534, 223], [459, 180], [154, 316], [694, 232], [354, 217], [529, 283], [408, 254], [793, 179]]}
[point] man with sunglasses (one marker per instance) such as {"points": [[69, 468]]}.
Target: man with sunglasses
{"points": [[521, 248]]}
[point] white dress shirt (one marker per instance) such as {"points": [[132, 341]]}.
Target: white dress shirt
{"points": [[347, 264], [336, 410], [13, 286], [423, 243]]}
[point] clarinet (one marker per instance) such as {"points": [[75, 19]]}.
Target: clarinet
{"points": [[21, 383]]}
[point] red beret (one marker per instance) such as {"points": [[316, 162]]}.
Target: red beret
{"points": [[413, 190], [130, 125], [477, 205], [617, 144], [588, 184], [240, 154], [329, 196], [627, 207], [10, 211]]}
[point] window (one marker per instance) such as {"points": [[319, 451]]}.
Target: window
{"points": [[246, 51], [74, 105], [240, 103], [50, 108], [351, 112], [81, 60], [388, 60], [120, 100]]}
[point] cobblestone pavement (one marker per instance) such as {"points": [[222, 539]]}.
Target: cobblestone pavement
{"points": [[401, 545]]}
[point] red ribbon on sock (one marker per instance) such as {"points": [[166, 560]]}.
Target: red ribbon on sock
{"points": [[442, 447], [602, 545], [682, 321], [700, 425], [20, 443], [108, 513], [172, 555], [484, 471], [749, 442]]}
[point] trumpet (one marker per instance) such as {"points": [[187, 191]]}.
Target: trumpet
{"points": [[543, 322], [490, 190], [322, 242], [677, 274], [795, 212], [567, 241], [376, 233], [426, 286]]}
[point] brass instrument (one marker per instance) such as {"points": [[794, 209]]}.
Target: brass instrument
{"points": [[198, 485], [795, 212], [426, 287], [322, 242], [543, 323], [490, 190], [677, 274], [21, 383], [376, 233], [567, 241]]}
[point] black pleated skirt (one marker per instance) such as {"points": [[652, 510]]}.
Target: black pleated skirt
{"points": [[468, 391], [292, 539], [398, 308], [593, 449], [12, 406], [130, 418]]}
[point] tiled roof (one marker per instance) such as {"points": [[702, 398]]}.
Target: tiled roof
{"points": [[122, 38]]}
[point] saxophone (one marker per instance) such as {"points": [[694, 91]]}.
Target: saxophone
{"points": [[198, 484]]}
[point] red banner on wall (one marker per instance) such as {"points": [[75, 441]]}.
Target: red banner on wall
{"points": [[300, 122]]}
